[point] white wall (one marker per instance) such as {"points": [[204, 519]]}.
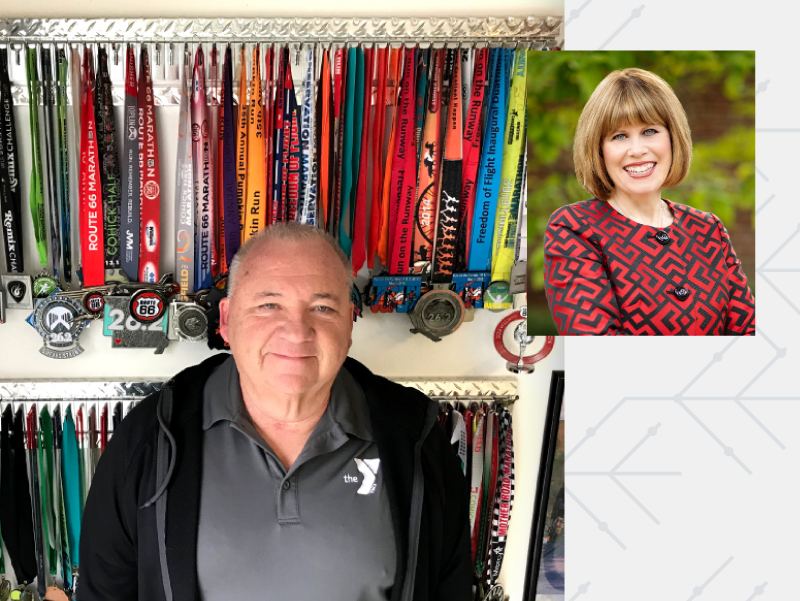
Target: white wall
{"points": [[382, 342]]}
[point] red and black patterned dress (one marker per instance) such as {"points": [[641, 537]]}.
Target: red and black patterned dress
{"points": [[608, 275]]}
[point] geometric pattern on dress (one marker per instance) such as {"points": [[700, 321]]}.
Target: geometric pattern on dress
{"points": [[607, 275]]}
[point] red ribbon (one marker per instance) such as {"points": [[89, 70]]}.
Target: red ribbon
{"points": [[91, 205], [150, 192]]}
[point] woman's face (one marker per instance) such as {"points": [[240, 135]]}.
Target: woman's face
{"points": [[638, 159]]}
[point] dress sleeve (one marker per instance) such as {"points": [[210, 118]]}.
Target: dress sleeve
{"points": [[741, 317], [578, 289]]}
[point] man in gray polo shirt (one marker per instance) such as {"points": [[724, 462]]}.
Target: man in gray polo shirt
{"points": [[284, 471]]}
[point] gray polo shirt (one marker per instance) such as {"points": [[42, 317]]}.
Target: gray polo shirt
{"points": [[321, 530]]}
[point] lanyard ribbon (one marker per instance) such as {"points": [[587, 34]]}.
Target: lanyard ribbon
{"points": [[90, 193], [339, 80], [291, 146], [488, 493], [71, 470], [10, 194], [47, 475], [476, 481], [378, 134], [39, 533], [230, 205], [149, 176], [269, 131], [325, 140], [505, 498], [308, 215], [363, 115], [488, 183], [423, 56], [256, 199], [392, 88], [430, 163], [63, 162], [472, 153], [36, 192], [130, 172], [505, 233], [49, 100], [203, 176], [109, 161], [184, 188], [241, 142], [220, 264], [444, 259], [278, 190], [404, 179]]}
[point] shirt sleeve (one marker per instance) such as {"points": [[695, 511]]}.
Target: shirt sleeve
{"points": [[741, 316], [578, 288]]}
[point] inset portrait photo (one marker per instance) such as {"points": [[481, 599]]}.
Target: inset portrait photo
{"points": [[641, 193]]}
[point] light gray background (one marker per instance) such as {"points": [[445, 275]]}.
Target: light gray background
{"points": [[706, 429]]}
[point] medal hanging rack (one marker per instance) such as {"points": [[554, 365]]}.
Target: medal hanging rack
{"points": [[392, 134]]}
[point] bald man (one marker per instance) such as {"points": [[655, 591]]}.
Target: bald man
{"points": [[284, 470]]}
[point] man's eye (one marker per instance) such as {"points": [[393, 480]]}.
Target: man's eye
{"points": [[268, 306], [324, 309]]}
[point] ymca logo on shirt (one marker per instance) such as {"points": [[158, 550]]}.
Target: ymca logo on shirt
{"points": [[369, 475]]}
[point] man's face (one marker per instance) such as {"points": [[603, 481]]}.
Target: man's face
{"points": [[290, 321]]}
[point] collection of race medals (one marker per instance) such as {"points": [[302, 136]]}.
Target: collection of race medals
{"points": [[412, 157], [48, 461], [481, 435]]}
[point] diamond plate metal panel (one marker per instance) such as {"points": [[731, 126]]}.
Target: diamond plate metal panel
{"points": [[71, 390], [163, 37], [282, 29]]}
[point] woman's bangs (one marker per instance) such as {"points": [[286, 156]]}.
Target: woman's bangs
{"points": [[631, 106]]}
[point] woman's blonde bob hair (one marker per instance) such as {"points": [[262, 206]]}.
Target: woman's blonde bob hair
{"points": [[629, 97]]}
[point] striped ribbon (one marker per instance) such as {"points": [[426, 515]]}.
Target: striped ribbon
{"points": [[184, 187], [130, 172], [488, 182], [203, 176]]}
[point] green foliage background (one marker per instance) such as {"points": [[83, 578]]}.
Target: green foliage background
{"points": [[722, 176]]}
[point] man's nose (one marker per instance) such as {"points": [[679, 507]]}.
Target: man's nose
{"points": [[297, 326]]}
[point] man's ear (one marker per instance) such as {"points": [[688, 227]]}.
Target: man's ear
{"points": [[224, 306]]}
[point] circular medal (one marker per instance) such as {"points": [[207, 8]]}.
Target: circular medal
{"points": [[94, 303], [438, 313], [498, 297], [44, 286], [662, 237], [191, 323], [508, 355], [53, 319], [495, 593], [147, 306]]}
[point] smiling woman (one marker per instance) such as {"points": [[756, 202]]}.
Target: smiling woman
{"points": [[627, 261]]}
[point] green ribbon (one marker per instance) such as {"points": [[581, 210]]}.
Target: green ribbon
{"points": [[47, 475], [71, 483], [37, 191]]}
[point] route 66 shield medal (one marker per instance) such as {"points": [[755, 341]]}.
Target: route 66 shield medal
{"points": [[52, 318]]}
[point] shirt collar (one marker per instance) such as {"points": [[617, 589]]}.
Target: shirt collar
{"points": [[222, 400]]}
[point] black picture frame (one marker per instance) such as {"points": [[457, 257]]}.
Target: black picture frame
{"points": [[536, 546]]}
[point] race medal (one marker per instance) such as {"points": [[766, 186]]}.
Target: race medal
{"points": [[147, 306], [127, 332], [18, 291], [498, 297], [438, 313], [188, 322], [44, 286], [520, 362], [93, 303], [53, 320]]}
